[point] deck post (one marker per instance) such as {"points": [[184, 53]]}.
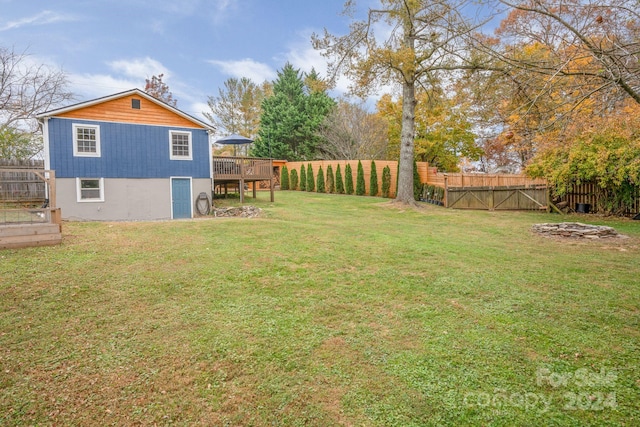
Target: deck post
{"points": [[271, 185]]}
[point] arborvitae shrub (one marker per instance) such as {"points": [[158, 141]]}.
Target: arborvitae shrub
{"points": [[293, 184], [320, 181], [348, 179], [311, 185], [386, 181], [284, 178], [373, 180], [417, 185], [360, 188], [339, 181], [303, 178], [331, 184]]}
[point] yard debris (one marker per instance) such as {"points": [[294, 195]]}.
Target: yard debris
{"points": [[242, 211], [576, 230]]}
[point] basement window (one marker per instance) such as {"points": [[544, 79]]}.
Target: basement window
{"points": [[90, 189]]}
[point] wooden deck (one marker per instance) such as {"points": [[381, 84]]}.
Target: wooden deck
{"points": [[241, 170]]}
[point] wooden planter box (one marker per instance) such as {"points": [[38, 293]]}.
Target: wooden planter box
{"points": [[24, 235]]}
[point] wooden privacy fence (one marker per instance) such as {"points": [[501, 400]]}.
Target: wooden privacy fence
{"points": [[366, 168], [486, 191], [592, 194], [20, 186], [498, 198], [464, 180]]}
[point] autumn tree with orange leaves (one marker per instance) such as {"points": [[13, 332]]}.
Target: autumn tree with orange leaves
{"points": [[160, 90], [424, 39]]}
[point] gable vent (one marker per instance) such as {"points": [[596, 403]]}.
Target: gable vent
{"points": [[135, 104]]}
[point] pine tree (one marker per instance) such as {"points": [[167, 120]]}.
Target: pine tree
{"points": [[348, 179], [320, 181], [386, 181], [311, 185], [294, 179], [373, 180], [303, 178], [284, 178], [339, 182], [331, 184], [291, 116], [360, 188]]}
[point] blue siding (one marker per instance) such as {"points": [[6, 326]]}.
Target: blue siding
{"points": [[128, 151]]}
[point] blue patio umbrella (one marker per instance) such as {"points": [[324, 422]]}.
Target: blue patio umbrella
{"points": [[234, 139]]}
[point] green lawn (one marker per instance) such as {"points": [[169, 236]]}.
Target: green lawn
{"points": [[327, 310]]}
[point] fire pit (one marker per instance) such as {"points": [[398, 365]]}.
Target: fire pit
{"points": [[575, 230]]}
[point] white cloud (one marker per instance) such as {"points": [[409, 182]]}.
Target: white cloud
{"points": [[140, 68], [42, 18], [302, 55], [196, 109], [88, 86], [256, 71]]}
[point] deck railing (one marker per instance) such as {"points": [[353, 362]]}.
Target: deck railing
{"points": [[245, 168]]}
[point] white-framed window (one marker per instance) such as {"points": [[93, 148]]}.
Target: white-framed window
{"points": [[90, 189], [86, 140], [180, 145]]}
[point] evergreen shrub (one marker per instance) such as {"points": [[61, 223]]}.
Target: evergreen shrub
{"points": [[320, 181], [311, 185], [339, 181], [373, 180], [284, 178], [360, 188], [417, 185], [348, 179], [331, 184], [386, 181], [303, 178]]}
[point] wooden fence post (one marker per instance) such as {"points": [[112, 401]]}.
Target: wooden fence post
{"points": [[446, 191], [491, 198]]}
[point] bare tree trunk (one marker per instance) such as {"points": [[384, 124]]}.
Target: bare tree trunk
{"points": [[405, 165], [405, 175]]}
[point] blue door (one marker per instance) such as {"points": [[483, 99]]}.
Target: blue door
{"points": [[181, 197]]}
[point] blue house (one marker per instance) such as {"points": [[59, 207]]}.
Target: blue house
{"points": [[127, 156]]}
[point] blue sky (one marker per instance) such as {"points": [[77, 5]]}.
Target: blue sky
{"points": [[110, 46]]}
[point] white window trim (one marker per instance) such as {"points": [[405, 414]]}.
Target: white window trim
{"points": [[76, 153], [79, 191], [180, 132]]}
